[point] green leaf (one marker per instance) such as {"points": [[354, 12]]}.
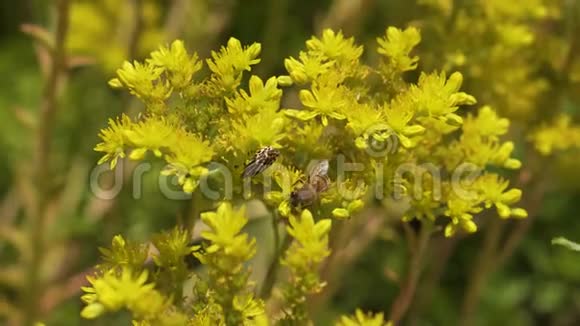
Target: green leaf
{"points": [[566, 243]]}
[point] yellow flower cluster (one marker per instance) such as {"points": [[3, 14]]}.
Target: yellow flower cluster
{"points": [[225, 256], [560, 135], [493, 42], [184, 152], [380, 133], [123, 281], [303, 258]]}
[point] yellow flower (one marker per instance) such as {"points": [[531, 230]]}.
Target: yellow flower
{"points": [[560, 135], [335, 46], [114, 140], [460, 211], [143, 81], [177, 62], [308, 68], [437, 97], [266, 128], [397, 45], [486, 124], [250, 308], [261, 97], [493, 190], [361, 319], [311, 245], [225, 226], [152, 133], [324, 101], [286, 179], [111, 292], [398, 116], [185, 159], [228, 64]]}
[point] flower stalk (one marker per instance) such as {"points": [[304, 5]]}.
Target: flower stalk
{"points": [[48, 110], [403, 300]]}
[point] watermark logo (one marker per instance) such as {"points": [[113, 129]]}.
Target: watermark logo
{"points": [[381, 141], [219, 184]]}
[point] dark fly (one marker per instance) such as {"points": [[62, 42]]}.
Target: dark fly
{"points": [[263, 158]]}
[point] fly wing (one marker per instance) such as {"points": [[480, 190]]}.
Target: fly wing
{"points": [[260, 162], [254, 168]]}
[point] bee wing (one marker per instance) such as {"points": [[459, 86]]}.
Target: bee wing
{"points": [[318, 170], [322, 183]]}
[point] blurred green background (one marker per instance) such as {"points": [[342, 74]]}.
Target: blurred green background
{"points": [[535, 284]]}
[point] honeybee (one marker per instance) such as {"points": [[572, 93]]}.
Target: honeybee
{"points": [[316, 183], [263, 158]]}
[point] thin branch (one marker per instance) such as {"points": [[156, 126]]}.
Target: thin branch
{"points": [[515, 237], [483, 267], [346, 14], [8, 310], [574, 48], [348, 240], [272, 273], [137, 28], [403, 300], [59, 293], [273, 33], [439, 261], [33, 288], [176, 18]]}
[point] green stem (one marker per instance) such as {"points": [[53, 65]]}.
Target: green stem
{"points": [[403, 301], [176, 18], [439, 260], [276, 230], [272, 272], [483, 267], [455, 10], [137, 28], [33, 288], [273, 33], [194, 211]]}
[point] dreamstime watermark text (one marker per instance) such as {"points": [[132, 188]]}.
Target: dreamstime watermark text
{"points": [[220, 183]]}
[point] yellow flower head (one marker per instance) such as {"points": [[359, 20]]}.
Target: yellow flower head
{"points": [[311, 245], [111, 292], [177, 63], [151, 134], [185, 159], [396, 46], [335, 46], [225, 233], [493, 190], [361, 319], [114, 141]]}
